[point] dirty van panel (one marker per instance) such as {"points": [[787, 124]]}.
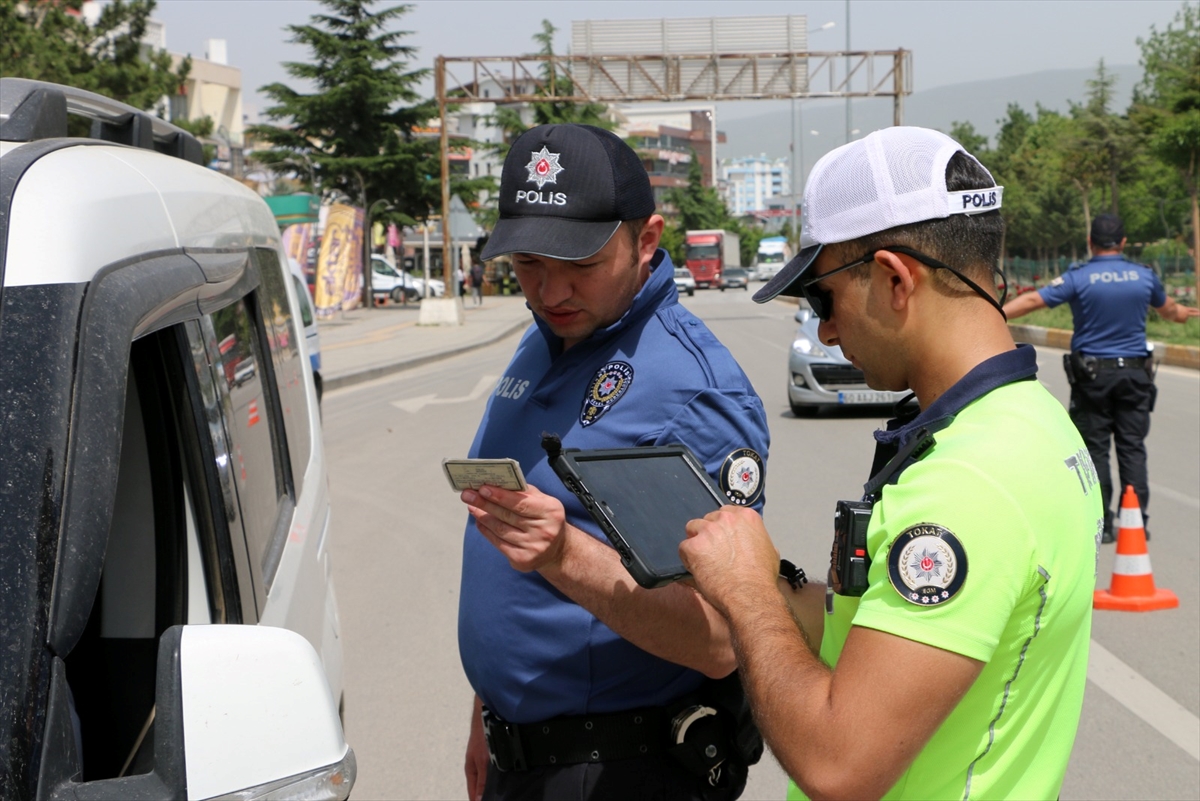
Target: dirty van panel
{"points": [[36, 375]]}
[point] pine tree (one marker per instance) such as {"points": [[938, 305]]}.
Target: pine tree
{"points": [[1109, 140], [698, 207], [357, 133], [44, 41]]}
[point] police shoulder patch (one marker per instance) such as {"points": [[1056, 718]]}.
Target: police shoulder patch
{"points": [[741, 476], [927, 564], [609, 384]]}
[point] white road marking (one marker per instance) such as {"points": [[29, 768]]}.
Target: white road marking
{"points": [[1133, 691], [414, 405], [1175, 495]]}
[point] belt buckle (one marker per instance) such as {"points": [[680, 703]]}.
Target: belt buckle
{"points": [[504, 743]]}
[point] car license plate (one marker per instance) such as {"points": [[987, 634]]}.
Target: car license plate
{"points": [[864, 396]]}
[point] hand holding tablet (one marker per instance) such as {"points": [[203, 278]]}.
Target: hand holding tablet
{"points": [[642, 499]]}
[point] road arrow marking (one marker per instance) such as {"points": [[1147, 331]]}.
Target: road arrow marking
{"points": [[414, 405]]}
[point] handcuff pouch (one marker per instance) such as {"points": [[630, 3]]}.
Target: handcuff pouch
{"points": [[713, 733]]}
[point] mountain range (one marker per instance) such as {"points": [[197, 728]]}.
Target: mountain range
{"points": [[982, 103]]}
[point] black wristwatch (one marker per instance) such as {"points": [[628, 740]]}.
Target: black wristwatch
{"points": [[791, 574]]}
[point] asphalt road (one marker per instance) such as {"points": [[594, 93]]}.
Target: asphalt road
{"points": [[397, 549]]}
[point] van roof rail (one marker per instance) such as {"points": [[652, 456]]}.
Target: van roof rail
{"points": [[32, 110]]}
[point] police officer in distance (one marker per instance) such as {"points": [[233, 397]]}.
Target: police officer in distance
{"points": [[1109, 369], [957, 623], [579, 673]]}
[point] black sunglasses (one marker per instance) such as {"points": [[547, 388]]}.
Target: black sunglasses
{"points": [[821, 300]]}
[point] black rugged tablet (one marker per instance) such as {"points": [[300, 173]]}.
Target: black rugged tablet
{"points": [[642, 499]]}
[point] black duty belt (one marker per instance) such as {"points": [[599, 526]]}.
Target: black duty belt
{"points": [[575, 739], [1119, 362]]}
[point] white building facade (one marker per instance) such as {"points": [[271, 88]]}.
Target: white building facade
{"points": [[755, 183]]}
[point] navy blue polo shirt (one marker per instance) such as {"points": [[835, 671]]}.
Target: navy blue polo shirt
{"points": [[1108, 296], [657, 376]]}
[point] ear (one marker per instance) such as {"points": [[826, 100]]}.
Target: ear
{"points": [[650, 236], [901, 274]]}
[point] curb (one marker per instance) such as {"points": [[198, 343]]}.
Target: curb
{"points": [[1174, 355], [359, 376]]}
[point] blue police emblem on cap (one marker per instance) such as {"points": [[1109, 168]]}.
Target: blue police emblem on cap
{"points": [[741, 477], [927, 565], [608, 386]]}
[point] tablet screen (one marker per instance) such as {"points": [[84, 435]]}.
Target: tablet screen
{"points": [[651, 499]]}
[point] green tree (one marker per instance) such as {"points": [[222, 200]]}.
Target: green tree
{"points": [[972, 141], [1106, 141], [1167, 105], [43, 41], [749, 236], [512, 122], [355, 133], [1041, 207], [698, 206]]}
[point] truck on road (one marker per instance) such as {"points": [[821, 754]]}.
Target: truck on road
{"points": [[708, 253], [773, 253]]}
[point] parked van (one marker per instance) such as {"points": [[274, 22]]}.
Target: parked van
{"points": [[168, 626]]}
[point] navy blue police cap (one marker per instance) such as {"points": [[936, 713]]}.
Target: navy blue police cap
{"points": [[1107, 231], [564, 191]]}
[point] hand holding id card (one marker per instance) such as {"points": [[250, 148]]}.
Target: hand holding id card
{"points": [[465, 474]]}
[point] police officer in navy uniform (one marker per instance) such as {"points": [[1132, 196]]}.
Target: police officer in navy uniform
{"points": [[1109, 368], [587, 685]]}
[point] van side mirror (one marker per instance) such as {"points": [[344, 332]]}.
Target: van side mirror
{"points": [[242, 712]]}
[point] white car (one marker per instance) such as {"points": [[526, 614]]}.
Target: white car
{"points": [[819, 376], [390, 282], [684, 281], [309, 320], [168, 625]]}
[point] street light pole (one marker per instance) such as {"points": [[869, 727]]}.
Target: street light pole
{"points": [[848, 112], [798, 153], [795, 186]]}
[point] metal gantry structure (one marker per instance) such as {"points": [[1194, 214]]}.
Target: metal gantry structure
{"points": [[665, 78]]}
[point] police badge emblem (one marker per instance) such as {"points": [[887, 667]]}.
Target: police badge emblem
{"points": [[741, 477], [927, 565], [610, 383], [543, 167]]}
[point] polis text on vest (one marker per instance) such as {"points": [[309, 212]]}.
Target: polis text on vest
{"points": [[1110, 278]]}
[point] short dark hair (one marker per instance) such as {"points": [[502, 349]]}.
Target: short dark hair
{"points": [[970, 243]]}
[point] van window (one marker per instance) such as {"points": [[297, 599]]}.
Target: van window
{"points": [[256, 455], [282, 340], [306, 313], [162, 562]]}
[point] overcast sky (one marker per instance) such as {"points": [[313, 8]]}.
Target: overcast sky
{"points": [[952, 41]]}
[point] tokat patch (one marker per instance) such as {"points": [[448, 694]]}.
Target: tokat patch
{"points": [[927, 565], [741, 477]]}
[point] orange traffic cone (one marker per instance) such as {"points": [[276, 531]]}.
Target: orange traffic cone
{"points": [[1133, 587]]}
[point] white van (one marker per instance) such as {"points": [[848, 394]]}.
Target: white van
{"points": [[168, 626]]}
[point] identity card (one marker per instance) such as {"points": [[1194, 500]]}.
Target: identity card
{"points": [[474, 473]]}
